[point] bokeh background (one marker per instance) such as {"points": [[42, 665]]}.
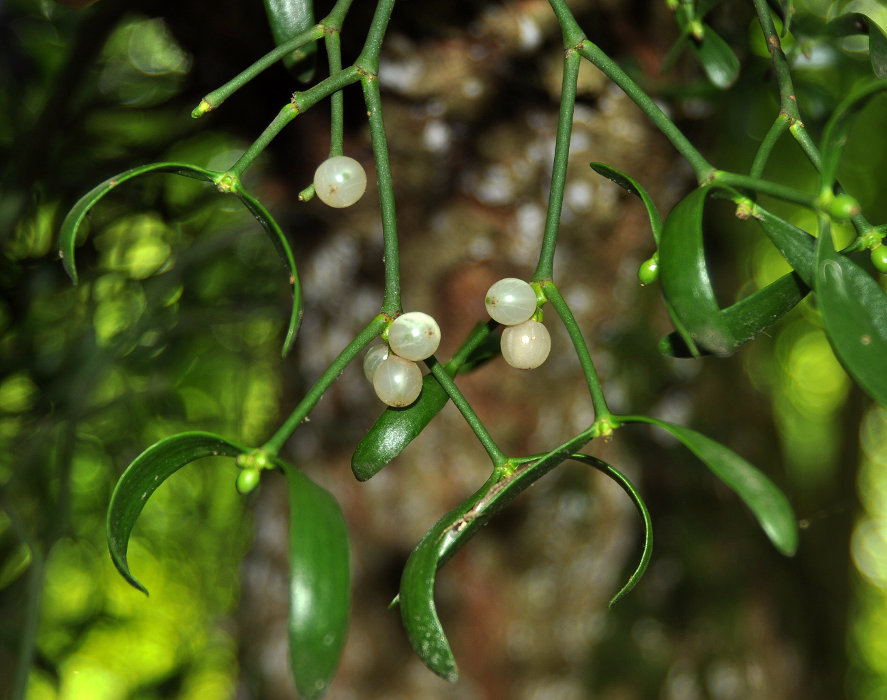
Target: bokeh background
{"points": [[178, 320]]}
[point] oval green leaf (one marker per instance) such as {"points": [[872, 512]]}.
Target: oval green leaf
{"points": [[716, 58], [854, 310], [765, 500], [142, 477], [319, 583], [631, 185], [288, 19]]}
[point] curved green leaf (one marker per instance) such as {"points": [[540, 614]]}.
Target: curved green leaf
{"points": [[319, 583], [872, 15], [795, 244], [691, 297], [142, 477], [766, 501], [71, 223], [416, 597], [632, 492], [631, 185], [837, 129], [854, 310], [716, 58], [288, 19], [398, 427], [286, 256]]}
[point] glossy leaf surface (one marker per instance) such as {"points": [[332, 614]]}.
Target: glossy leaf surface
{"points": [[716, 58], [142, 477], [416, 597], [398, 427], [631, 185], [691, 297], [766, 501], [854, 310], [288, 19], [319, 583]]}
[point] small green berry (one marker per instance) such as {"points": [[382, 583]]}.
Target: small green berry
{"points": [[879, 258], [843, 207], [247, 480], [648, 272]]}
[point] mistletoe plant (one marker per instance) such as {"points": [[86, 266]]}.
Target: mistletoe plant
{"points": [[849, 297]]}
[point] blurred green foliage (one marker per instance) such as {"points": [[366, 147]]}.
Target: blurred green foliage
{"points": [[180, 288]]}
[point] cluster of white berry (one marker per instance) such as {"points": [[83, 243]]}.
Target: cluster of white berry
{"points": [[525, 342], [391, 366]]}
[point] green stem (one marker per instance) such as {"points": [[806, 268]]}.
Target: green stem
{"points": [[789, 194], [544, 269], [787, 101], [364, 338], [701, 167], [368, 61], [437, 369], [774, 133], [215, 98], [332, 23], [333, 44], [373, 98], [553, 295], [300, 102]]}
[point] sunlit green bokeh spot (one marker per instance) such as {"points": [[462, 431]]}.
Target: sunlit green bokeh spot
{"points": [[136, 245], [34, 234], [118, 307], [17, 393], [869, 546]]}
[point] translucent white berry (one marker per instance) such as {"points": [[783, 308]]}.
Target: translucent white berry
{"points": [[340, 181], [397, 381], [511, 301], [525, 345], [371, 360], [414, 336]]}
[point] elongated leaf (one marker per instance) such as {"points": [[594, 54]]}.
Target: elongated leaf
{"points": [[416, 597], [870, 15], [838, 127], [716, 58], [766, 501], [398, 427], [286, 256], [319, 583], [141, 478], [691, 297], [632, 492], [71, 223], [631, 185], [854, 311], [795, 244]]}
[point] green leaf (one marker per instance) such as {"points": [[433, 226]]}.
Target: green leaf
{"points": [[837, 129], [766, 501], [865, 14], [632, 492], [141, 478], [288, 19], [854, 310], [795, 244], [286, 256], [71, 225], [703, 325], [398, 427], [319, 583], [416, 597], [631, 185], [716, 58]]}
